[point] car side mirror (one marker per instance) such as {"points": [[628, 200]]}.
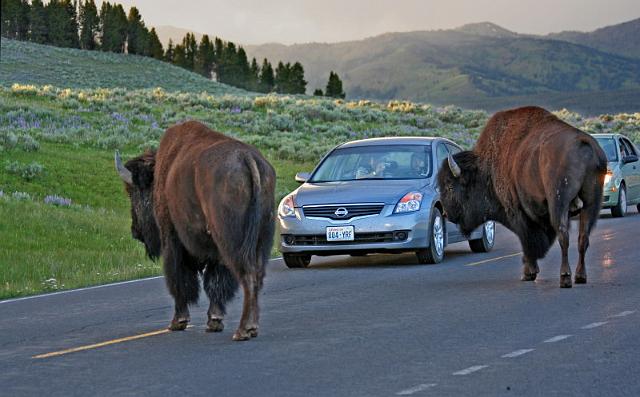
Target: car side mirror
{"points": [[632, 158], [302, 177]]}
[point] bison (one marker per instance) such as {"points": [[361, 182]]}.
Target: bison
{"points": [[205, 202], [531, 172]]}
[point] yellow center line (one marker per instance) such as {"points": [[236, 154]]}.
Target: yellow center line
{"points": [[493, 259], [102, 344]]}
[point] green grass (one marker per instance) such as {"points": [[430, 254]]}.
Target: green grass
{"points": [[46, 248], [31, 63]]}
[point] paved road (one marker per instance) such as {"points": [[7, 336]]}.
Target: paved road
{"points": [[375, 326]]}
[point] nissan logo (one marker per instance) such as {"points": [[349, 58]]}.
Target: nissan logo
{"points": [[341, 212]]}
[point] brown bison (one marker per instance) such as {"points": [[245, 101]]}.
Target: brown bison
{"points": [[531, 172], [205, 202]]}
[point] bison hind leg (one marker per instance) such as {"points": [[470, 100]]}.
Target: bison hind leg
{"points": [[220, 285], [181, 276]]}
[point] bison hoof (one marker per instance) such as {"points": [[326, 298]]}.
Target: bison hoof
{"points": [[215, 325], [565, 281], [178, 325], [241, 335], [580, 279], [529, 277]]}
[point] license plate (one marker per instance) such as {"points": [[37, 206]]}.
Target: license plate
{"points": [[340, 233]]}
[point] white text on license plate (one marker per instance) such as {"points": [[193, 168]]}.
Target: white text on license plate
{"points": [[340, 233]]}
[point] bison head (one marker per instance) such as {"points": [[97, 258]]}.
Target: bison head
{"points": [[463, 191], [137, 175]]}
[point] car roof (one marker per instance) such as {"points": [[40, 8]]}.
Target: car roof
{"points": [[605, 135], [395, 140]]}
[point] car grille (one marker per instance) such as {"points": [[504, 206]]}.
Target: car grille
{"points": [[329, 211], [358, 238]]}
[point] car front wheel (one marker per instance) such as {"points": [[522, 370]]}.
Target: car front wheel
{"points": [[488, 239], [620, 209], [294, 261], [435, 252]]}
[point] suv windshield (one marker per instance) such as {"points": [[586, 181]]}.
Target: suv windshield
{"points": [[609, 147], [375, 162]]}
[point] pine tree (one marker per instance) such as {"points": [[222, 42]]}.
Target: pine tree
{"points": [[38, 22], [155, 46], [254, 75], [267, 80], [218, 67], [205, 57], [169, 55], [180, 56], [56, 23], [22, 22], [318, 92], [15, 19], [334, 86], [243, 69], [114, 27], [189, 48], [282, 78], [89, 24], [297, 83], [137, 33], [228, 67]]}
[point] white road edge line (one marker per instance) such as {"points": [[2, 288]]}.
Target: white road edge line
{"points": [[557, 338], [24, 298], [594, 325], [415, 389], [470, 370], [517, 353], [624, 313]]}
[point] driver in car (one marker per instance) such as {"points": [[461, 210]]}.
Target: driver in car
{"points": [[373, 168]]}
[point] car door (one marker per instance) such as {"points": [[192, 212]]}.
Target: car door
{"points": [[631, 172]]}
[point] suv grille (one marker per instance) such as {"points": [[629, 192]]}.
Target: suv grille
{"points": [[352, 210]]}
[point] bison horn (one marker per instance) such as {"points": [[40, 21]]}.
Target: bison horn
{"points": [[124, 173], [455, 168]]}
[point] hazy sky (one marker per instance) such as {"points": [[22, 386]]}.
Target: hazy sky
{"points": [[298, 21]]}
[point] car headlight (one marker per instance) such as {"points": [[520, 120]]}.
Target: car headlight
{"points": [[287, 207], [409, 203], [607, 178]]}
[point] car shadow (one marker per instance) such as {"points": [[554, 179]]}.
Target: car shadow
{"points": [[380, 260]]}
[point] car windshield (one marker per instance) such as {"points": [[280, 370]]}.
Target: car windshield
{"points": [[609, 147], [375, 162]]}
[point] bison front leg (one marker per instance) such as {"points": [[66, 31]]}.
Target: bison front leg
{"points": [[248, 327], [530, 268]]}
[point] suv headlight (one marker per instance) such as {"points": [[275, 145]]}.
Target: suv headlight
{"points": [[607, 178], [287, 207], [409, 203]]}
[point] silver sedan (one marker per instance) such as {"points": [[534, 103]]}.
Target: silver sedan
{"points": [[373, 196]]}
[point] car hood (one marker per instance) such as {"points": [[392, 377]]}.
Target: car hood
{"points": [[351, 192]]}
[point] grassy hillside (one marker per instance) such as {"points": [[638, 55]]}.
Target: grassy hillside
{"points": [[30, 63], [64, 218], [475, 62], [622, 39]]}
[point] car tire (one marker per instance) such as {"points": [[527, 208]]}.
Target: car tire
{"points": [[435, 252], [620, 209], [294, 261], [488, 239], [638, 207]]}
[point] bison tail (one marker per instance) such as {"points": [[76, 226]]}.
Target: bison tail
{"points": [[253, 219]]}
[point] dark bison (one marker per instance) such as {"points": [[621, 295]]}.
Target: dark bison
{"points": [[205, 202], [531, 172]]}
